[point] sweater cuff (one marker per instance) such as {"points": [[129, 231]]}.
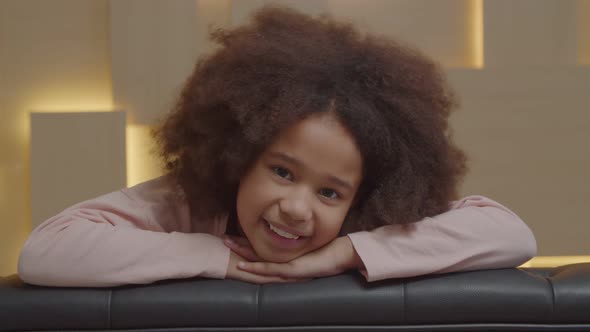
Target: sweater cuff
{"points": [[364, 251], [210, 257]]}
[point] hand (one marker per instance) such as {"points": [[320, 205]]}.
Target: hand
{"points": [[333, 258], [242, 252]]}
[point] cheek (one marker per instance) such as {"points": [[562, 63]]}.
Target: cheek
{"points": [[253, 195], [329, 227]]}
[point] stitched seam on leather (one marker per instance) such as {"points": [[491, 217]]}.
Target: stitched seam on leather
{"points": [[404, 302], [109, 308], [552, 295], [257, 305]]}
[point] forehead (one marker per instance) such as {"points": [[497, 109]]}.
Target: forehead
{"points": [[323, 144]]}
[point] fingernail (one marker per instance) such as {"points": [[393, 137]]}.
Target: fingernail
{"points": [[229, 241], [242, 264]]}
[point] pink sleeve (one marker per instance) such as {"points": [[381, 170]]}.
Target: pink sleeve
{"points": [[132, 236], [476, 233]]}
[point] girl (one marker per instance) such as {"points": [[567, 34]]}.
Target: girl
{"points": [[299, 149]]}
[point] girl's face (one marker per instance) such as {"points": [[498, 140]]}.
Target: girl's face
{"points": [[295, 197]]}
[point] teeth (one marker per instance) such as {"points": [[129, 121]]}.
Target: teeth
{"points": [[283, 233]]}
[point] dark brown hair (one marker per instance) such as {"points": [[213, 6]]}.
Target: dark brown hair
{"points": [[283, 66]]}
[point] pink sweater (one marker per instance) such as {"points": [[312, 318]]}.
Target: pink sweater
{"points": [[143, 234]]}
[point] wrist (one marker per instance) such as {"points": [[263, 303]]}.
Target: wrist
{"points": [[353, 260]]}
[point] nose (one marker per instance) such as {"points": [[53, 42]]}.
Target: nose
{"points": [[296, 207]]}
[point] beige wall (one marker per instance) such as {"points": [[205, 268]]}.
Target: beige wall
{"points": [[520, 67], [54, 56], [74, 156]]}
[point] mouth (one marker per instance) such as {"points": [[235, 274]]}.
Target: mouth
{"points": [[284, 241], [281, 232]]}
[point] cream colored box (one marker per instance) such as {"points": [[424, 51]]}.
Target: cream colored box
{"points": [[74, 157]]}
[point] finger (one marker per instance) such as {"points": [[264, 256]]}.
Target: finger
{"points": [[258, 279], [284, 270], [240, 240], [235, 242], [245, 251], [274, 280]]}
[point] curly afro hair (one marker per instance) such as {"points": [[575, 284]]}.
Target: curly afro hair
{"points": [[283, 66]]}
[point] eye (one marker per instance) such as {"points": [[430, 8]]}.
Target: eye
{"points": [[282, 172], [329, 193]]}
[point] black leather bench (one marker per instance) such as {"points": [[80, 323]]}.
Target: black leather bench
{"points": [[553, 299]]}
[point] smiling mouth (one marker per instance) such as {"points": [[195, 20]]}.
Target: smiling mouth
{"points": [[281, 232]]}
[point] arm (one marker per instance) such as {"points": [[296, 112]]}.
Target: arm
{"points": [[476, 233], [133, 236]]}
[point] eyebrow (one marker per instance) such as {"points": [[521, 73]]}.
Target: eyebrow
{"points": [[289, 159]]}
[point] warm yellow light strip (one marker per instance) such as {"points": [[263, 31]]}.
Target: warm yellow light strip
{"points": [[584, 32], [55, 97], [554, 261], [142, 163], [67, 108], [476, 33]]}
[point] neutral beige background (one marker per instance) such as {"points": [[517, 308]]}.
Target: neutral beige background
{"points": [[524, 119], [54, 56], [95, 142]]}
